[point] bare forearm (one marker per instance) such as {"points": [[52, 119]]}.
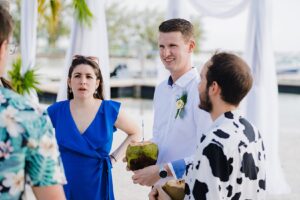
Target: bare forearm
{"points": [[120, 151], [49, 192]]}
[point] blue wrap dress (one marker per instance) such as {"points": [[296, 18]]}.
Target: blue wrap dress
{"points": [[85, 155]]}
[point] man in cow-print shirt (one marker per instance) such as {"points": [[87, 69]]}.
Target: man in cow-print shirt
{"points": [[229, 162]]}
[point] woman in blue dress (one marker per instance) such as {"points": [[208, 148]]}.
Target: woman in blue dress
{"points": [[84, 126]]}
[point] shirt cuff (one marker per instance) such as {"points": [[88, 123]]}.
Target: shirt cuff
{"points": [[177, 168]]}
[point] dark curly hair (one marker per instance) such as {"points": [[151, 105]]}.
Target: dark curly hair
{"points": [[232, 74], [79, 59], [181, 25]]}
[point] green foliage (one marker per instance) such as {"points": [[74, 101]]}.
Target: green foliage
{"points": [[50, 24], [82, 11], [16, 13], [198, 32], [22, 84], [131, 31]]}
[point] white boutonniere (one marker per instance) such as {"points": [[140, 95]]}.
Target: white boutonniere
{"points": [[180, 103]]}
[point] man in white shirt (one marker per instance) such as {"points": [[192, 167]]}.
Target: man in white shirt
{"points": [[178, 124], [229, 162]]}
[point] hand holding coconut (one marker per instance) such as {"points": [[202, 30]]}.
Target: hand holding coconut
{"points": [[157, 193], [141, 158], [171, 190], [141, 154]]}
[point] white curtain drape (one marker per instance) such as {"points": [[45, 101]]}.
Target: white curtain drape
{"points": [[219, 8], [89, 41], [28, 39], [262, 101], [177, 9]]}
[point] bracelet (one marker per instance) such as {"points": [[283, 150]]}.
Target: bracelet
{"points": [[113, 157]]}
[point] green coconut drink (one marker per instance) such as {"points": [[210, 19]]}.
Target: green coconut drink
{"points": [[141, 154], [175, 189]]}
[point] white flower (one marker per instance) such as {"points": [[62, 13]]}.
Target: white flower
{"points": [[59, 175], [8, 120], [15, 182], [48, 147], [32, 143], [5, 149], [179, 104]]}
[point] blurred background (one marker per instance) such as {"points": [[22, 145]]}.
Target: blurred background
{"points": [[134, 64]]}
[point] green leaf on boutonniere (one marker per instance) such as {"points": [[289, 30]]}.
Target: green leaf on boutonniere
{"points": [[180, 103]]}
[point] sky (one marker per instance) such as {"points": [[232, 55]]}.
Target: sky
{"points": [[230, 33]]}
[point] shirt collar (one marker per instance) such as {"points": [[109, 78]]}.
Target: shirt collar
{"points": [[230, 115], [185, 78]]}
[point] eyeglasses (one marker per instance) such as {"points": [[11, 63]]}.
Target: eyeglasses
{"points": [[90, 58], [12, 47]]}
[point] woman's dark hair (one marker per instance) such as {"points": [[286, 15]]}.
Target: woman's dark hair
{"points": [[6, 84], [6, 24], [232, 74], [91, 61]]}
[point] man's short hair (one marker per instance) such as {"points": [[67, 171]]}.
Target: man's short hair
{"points": [[232, 74], [178, 25], [6, 24]]}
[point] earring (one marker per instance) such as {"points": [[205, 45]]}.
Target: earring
{"points": [[70, 90]]}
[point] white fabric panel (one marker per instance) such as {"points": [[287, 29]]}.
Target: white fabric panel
{"points": [[262, 101], [219, 8], [89, 41], [28, 39], [177, 9]]}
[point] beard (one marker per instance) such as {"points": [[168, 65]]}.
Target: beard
{"points": [[205, 102]]}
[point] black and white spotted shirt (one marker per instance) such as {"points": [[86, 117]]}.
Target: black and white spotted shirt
{"points": [[229, 162]]}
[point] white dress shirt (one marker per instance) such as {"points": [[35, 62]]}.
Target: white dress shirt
{"points": [[177, 137]]}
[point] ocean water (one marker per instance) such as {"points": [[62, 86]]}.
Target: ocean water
{"points": [[51, 68]]}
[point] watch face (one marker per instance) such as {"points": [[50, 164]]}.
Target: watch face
{"points": [[163, 173]]}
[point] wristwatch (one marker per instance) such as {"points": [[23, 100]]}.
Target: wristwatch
{"points": [[162, 172]]}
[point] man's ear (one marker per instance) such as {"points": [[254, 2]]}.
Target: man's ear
{"points": [[215, 88], [192, 45]]}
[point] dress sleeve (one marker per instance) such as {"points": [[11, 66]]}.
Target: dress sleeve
{"points": [[114, 108], [43, 162]]}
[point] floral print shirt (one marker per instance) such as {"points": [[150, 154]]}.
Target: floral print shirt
{"points": [[28, 149]]}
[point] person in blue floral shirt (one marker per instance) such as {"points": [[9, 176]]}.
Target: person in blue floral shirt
{"points": [[28, 149]]}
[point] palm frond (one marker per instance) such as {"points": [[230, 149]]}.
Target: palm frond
{"points": [[23, 84], [82, 12]]}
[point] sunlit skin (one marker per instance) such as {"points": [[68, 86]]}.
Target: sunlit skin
{"points": [[210, 98], [175, 53], [83, 82], [3, 56], [205, 102]]}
